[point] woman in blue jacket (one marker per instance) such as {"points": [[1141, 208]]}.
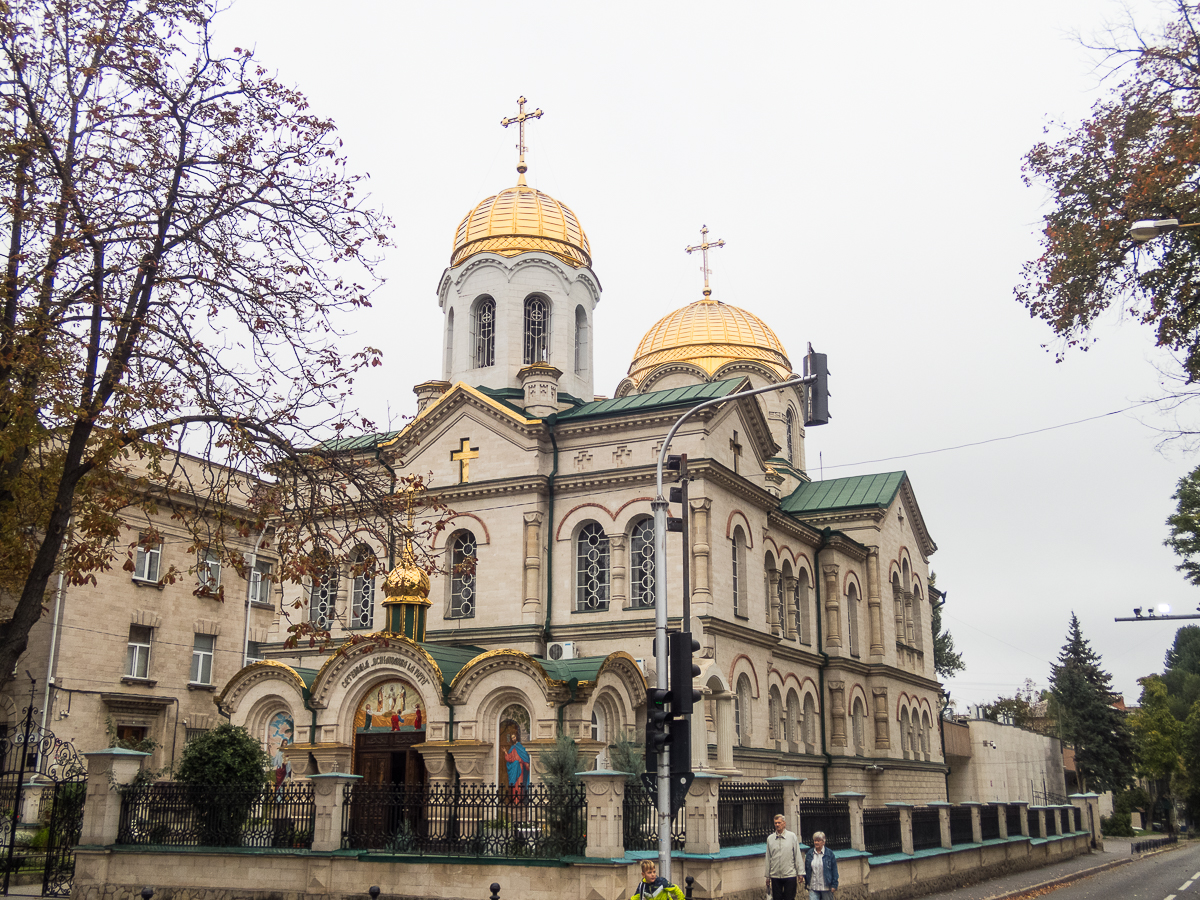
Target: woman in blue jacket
{"points": [[821, 878]]}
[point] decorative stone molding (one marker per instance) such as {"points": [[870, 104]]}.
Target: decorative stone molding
{"points": [[428, 391], [330, 798], [147, 617], [540, 383], [102, 811], [207, 626], [833, 606], [701, 814], [531, 605], [471, 759], [837, 713], [331, 758], [882, 735], [874, 602], [605, 813]]}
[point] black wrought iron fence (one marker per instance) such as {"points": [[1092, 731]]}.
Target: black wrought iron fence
{"points": [[641, 821], [746, 811], [1012, 819], [1048, 798], [961, 829], [926, 827], [1152, 843], [829, 816], [181, 815], [989, 823], [540, 822], [881, 830]]}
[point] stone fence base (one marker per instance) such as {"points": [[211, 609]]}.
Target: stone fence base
{"points": [[118, 873]]}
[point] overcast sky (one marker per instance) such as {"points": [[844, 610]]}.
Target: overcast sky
{"points": [[863, 164]]}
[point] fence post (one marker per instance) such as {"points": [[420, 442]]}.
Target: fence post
{"points": [[1023, 806], [855, 801], [329, 794], [943, 809], [791, 799], [906, 838], [976, 820], [1090, 814], [1001, 810], [102, 811], [703, 834], [605, 813]]}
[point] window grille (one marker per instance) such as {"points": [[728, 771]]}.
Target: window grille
{"points": [[322, 595], [789, 422], [138, 660], [485, 333], [202, 658], [145, 566], [641, 565], [363, 592], [463, 560], [190, 734], [592, 569], [537, 330]]}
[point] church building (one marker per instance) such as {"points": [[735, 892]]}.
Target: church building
{"points": [[811, 599]]}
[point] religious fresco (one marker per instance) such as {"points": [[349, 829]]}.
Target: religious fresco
{"points": [[391, 706], [279, 733], [512, 768]]}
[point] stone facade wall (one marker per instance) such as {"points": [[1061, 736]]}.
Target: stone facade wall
{"points": [[1006, 771]]}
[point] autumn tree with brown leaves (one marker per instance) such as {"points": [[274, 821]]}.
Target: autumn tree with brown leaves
{"points": [[1137, 156], [182, 237]]}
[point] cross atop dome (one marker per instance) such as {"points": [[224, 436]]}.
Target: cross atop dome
{"points": [[703, 247], [519, 121]]}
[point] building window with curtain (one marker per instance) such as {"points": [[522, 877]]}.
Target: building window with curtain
{"points": [[641, 565], [463, 569], [591, 569], [537, 330]]}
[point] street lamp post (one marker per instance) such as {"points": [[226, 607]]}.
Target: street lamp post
{"points": [[1148, 229]]}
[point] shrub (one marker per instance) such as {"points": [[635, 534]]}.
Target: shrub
{"points": [[628, 756], [226, 770], [1119, 824]]}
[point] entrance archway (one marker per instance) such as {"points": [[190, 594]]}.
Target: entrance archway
{"points": [[388, 724]]}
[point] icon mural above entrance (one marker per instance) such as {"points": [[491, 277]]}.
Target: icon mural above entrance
{"points": [[392, 706]]}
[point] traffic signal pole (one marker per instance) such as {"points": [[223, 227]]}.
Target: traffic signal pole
{"points": [[659, 505]]}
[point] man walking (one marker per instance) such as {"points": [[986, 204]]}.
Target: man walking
{"points": [[783, 861], [820, 869]]}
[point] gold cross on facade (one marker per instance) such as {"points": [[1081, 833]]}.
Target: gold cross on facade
{"points": [[737, 451], [463, 456], [519, 120], [703, 248]]}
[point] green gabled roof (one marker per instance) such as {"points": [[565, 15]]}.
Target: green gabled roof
{"points": [[583, 669], [359, 442], [855, 492], [308, 676], [451, 659], [681, 396]]}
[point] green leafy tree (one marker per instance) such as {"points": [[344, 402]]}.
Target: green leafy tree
{"points": [[1087, 721], [946, 661], [225, 769], [1158, 741], [627, 755], [1018, 709], [1182, 673], [1185, 528], [1136, 156]]}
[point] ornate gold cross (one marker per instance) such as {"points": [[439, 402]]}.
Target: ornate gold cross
{"points": [[463, 456], [703, 248], [519, 119]]}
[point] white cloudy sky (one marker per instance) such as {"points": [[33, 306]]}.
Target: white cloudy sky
{"points": [[863, 163]]}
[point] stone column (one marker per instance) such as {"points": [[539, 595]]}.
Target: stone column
{"points": [[436, 756], [701, 814], [1001, 810], [833, 606], [898, 604], [837, 713], [874, 602], [699, 728], [605, 813], [471, 761], [531, 605], [906, 838], [883, 739], [618, 546], [791, 799], [329, 793], [943, 809], [773, 601], [1022, 804], [976, 820], [701, 556], [910, 635], [789, 608], [102, 809], [855, 801], [725, 735]]}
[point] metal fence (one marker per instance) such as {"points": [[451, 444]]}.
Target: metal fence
{"points": [[989, 823], [926, 828], [881, 830], [962, 831], [1048, 798], [541, 821], [829, 816], [641, 821], [1152, 843], [181, 815], [746, 811], [1012, 818]]}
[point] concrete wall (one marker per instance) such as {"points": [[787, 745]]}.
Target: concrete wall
{"points": [[1006, 770]]}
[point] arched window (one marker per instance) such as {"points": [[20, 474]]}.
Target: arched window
{"points": [[743, 718], [463, 571], [485, 332], [322, 596], [858, 719], [581, 341], [449, 366], [918, 621], [591, 568], [362, 597], [810, 724], [792, 729], [537, 330], [738, 542], [926, 733], [789, 423], [600, 733], [803, 625], [852, 620], [904, 736], [777, 722], [641, 565], [787, 609]]}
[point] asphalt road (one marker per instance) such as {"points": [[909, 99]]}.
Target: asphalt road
{"points": [[1169, 875]]}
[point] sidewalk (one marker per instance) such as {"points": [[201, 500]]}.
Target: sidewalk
{"points": [[1115, 853]]}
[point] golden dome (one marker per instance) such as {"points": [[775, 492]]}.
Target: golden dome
{"points": [[709, 334], [408, 582], [518, 220]]}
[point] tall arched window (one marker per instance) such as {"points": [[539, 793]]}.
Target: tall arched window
{"points": [[449, 366], [591, 568], [322, 596], [852, 620], [362, 595], [600, 733], [858, 720], [918, 620], [641, 564], [740, 604], [789, 423], [775, 720], [793, 722], [463, 570], [743, 717], [581, 341], [485, 332], [904, 736], [926, 734], [803, 625], [787, 609], [810, 724], [537, 330]]}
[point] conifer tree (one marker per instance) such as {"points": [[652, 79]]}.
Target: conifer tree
{"points": [[1087, 721]]}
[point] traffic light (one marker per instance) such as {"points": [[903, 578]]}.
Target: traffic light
{"points": [[656, 725], [683, 696], [676, 463], [817, 365]]}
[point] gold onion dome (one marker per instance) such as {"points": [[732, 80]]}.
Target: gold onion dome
{"points": [[709, 334], [518, 220], [408, 582]]}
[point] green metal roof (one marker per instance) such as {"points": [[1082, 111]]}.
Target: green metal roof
{"points": [[308, 676], [451, 659], [358, 442], [583, 669], [855, 492], [681, 396]]}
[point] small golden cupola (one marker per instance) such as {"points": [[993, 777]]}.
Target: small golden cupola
{"points": [[406, 596]]}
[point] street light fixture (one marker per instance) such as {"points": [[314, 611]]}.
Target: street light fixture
{"points": [[1148, 229]]}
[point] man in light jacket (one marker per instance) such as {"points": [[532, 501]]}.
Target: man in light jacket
{"points": [[820, 869], [783, 861]]}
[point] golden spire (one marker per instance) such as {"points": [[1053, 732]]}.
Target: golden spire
{"points": [[519, 119], [703, 248]]}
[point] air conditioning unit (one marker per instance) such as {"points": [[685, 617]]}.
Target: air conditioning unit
{"points": [[561, 650], [641, 664]]}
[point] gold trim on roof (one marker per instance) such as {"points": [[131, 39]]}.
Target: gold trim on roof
{"points": [[445, 397], [262, 662], [391, 637], [492, 654]]}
